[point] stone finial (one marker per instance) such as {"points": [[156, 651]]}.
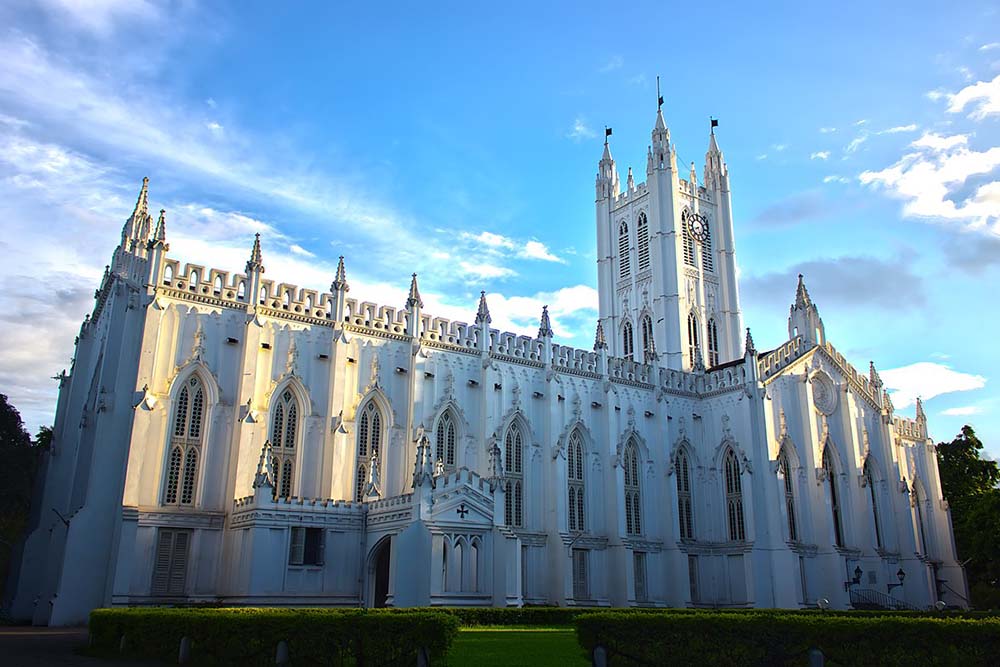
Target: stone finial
{"points": [[160, 235], [873, 375], [414, 297], [340, 280], [748, 346], [921, 416], [630, 181], [483, 314], [545, 326], [649, 160], [693, 176], [256, 263], [600, 342], [802, 299], [265, 468]]}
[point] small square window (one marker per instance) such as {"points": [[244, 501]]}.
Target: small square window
{"points": [[307, 546]]}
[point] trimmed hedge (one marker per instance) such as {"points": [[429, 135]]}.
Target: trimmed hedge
{"points": [[250, 636], [785, 638]]}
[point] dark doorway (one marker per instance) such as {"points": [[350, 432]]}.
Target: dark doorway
{"points": [[381, 566]]}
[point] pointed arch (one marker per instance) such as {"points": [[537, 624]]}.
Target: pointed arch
{"points": [[632, 468], [871, 476], [707, 261], [642, 233], [514, 439], [646, 334], [628, 339], [693, 344], [788, 488], [446, 437], [372, 436], [576, 471], [830, 466], [624, 266], [285, 428], [734, 496], [685, 503], [919, 501], [193, 392], [687, 239], [712, 341]]}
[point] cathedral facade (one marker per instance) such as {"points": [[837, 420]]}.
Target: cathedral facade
{"points": [[227, 437]]}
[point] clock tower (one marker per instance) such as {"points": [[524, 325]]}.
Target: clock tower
{"points": [[667, 260]]}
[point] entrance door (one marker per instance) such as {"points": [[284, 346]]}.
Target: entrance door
{"points": [[381, 567]]}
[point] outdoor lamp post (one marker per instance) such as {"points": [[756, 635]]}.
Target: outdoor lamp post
{"points": [[855, 581], [900, 575]]}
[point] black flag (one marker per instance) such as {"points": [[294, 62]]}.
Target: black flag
{"points": [[607, 132], [659, 101], [715, 122]]}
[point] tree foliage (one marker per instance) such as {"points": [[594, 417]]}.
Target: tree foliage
{"points": [[969, 482]]}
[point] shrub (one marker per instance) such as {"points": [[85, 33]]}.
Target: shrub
{"points": [[250, 636], [771, 637]]}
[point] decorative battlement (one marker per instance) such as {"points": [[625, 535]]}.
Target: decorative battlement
{"points": [[694, 191], [859, 381], [625, 196], [459, 477], [250, 502], [770, 363], [909, 428]]}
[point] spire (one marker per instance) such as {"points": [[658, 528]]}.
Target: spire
{"points": [[483, 314], [630, 182], [606, 156], [694, 176], [802, 299], [256, 263], [161, 226], [340, 279], [265, 468], [873, 376], [607, 175], [137, 225], [649, 160], [544, 326], [713, 146], [600, 342], [748, 346], [921, 417], [142, 203], [661, 142], [414, 298], [661, 125]]}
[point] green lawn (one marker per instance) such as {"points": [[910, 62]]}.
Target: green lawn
{"points": [[504, 646]]}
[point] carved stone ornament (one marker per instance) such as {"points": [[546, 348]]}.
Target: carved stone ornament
{"points": [[824, 393]]}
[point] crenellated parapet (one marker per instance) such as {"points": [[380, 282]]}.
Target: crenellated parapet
{"points": [[909, 428]]}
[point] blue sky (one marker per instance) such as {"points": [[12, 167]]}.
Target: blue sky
{"points": [[461, 142]]}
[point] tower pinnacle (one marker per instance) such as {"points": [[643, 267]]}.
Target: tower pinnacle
{"points": [[483, 314], [545, 326], [340, 279], [256, 262], [414, 298]]}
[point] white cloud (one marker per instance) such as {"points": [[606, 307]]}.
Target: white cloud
{"points": [[962, 411], [214, 128], [762, 156], [779, 147], [100, 17], [486, 271], [834, 178], [990, 47], [935, 95], [941, 166], [966, 73], [615, 62], [580, 130], [983, 97], [573, 311], [912, 127], [299, 250], [856, 142], [820, 155], [927, 379], [490, 239], [538, 250], [859, 123], [827, 130]]}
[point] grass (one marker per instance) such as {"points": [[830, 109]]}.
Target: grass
{"points": [[512, 645]]}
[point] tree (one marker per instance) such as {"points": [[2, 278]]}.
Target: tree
{"points": [[969, 482]]}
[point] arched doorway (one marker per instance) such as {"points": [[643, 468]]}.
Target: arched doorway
{"points": [[380, 573]]}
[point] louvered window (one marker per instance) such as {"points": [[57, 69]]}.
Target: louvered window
{"points": [[369, 443], [693, 348], [514, 471], [688, 240], [581, 578], [713, 343], [181, 482], [633, 499], [170, 562], [734, 498], [789, 487], [642, 231], [628, 340], [707, 261], [574, 476], [284, 426], [444, 450], [639, 575], [646, 326], [307, 546], [623, 257], [684, 508]]}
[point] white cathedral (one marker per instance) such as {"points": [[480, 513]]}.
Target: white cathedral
{"points": [[227, 437]]}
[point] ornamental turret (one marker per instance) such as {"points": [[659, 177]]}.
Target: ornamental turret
{"points": [[607, 185], [254, 271], [804, 319], [339, 288], [483, 320], [158, 248], [413, 305]]}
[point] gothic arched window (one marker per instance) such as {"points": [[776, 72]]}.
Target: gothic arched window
{"points": [[918, 505], [831, 482], [642, 231], [633, 492], [575, 465], [185, 444], [369, 444], [628, 340], [685, 514], [693, 348], [284, 426], [789, 488], [623, 258], [514, 471], [688, 240], [646, 327], [713, 343], [734, 497], [445, 438], [873, 493], [707, 262]]}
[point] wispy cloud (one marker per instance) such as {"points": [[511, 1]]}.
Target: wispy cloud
{"points": [[963, 411], [580, 130], [982, 97], [992, 46], [834, 178], [101, 17], [613, 63], [820, 155], [500, 245], [827, 130], [856, 143], [912, 127], [927, 379]]}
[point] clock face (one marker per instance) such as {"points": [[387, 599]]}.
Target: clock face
{"points": [[697, 225]]}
